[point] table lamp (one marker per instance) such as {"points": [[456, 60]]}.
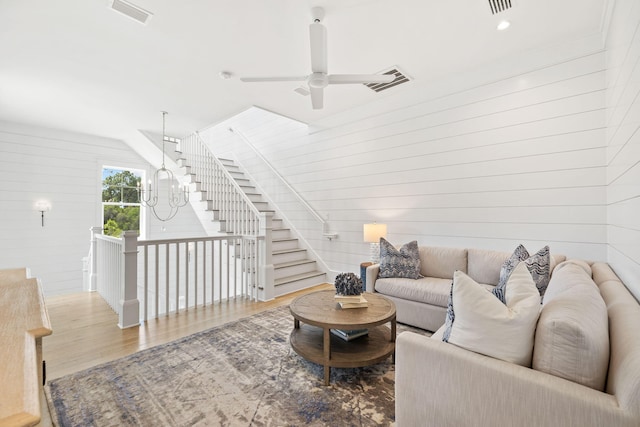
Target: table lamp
{"points": [[372, 234]]}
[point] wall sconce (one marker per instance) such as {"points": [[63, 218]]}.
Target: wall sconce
{"points": [[42, 206], [372, 234]]}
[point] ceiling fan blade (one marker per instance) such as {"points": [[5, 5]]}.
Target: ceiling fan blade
{"points": [[317, 95], [360, 78], [273, 79], [318, 38]]}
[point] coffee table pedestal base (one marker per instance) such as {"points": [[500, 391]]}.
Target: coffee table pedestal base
{"points": [[320, 346]]}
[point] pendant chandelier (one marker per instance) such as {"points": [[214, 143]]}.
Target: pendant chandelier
{"points": [[151, 196]]}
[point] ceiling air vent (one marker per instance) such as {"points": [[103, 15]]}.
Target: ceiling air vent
{"points": [[498, 6], [131, 10], [379, 87]]}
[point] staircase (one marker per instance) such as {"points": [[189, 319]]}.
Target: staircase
{"points": [[293, 269]]}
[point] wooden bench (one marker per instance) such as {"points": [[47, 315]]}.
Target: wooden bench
{"points": [[23, 322]]}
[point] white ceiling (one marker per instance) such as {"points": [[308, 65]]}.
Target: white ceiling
{"points": [[77, 65]]}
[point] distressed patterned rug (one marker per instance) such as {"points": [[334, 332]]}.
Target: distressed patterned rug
{"points": [[243, 373]]}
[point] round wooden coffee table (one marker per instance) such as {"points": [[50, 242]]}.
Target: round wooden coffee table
{"points": [[319, 313]]}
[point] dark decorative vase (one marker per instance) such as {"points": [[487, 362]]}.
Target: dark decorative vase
{"points": [[348, 284]]}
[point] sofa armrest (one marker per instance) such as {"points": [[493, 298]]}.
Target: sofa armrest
{"points": [[371, 277], [440, 384]]}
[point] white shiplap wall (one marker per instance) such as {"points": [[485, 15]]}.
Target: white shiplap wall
{"points": [[623, 141], [65, 169], [491, 158]]}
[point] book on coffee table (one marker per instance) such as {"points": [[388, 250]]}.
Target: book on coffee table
{"points": [[349, 335], [349, 298], [351, 301], [354, 304]]}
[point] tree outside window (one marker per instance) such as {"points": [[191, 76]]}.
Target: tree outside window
{"points": [[120, 204]]}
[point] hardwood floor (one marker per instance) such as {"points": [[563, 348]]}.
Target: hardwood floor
{"points": [[86, 334]]}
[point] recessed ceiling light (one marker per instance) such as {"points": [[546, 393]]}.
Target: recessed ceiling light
{"points": [[503, 25], [224, 75]]}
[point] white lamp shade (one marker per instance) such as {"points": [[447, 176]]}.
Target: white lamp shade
{"points": [[373, 232]]}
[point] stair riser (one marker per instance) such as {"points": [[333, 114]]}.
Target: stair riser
{"points": [[289, 257], [283, 233], [284, 245], [195, 187], [282, 272], [287, 288], [200, 196]]}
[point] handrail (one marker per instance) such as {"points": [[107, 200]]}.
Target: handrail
{"points": [[188, 240], [280, 177]]}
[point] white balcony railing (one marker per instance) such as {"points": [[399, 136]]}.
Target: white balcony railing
{"points": [[145, 279]]}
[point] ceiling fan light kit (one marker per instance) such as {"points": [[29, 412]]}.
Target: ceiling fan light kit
{"points": [[319, 77]]}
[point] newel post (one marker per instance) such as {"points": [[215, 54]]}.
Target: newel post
{"points": [[93, 266], [267, 290], [129, 304]]}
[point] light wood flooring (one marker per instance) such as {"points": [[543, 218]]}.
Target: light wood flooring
{"points": [[86, 334]]}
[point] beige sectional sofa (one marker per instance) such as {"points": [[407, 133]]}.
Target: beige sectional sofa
{"points": [[585, 364], [423, 302]]}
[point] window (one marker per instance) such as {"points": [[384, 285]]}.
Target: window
{"points": [[120, 204]]}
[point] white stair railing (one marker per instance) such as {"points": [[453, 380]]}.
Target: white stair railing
{"points": [[233, 206]]}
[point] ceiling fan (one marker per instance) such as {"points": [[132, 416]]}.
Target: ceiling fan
{"points": [[319, 78]]}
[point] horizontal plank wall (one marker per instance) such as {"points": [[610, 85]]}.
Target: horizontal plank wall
{"points": [[623, 141], [514, 153], [64, 169]]}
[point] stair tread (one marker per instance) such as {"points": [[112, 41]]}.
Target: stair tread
{"points": [[293, 263], [295, 277], [287, 251]]}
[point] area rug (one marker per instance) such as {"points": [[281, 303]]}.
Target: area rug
{"points": [[243, 373]]}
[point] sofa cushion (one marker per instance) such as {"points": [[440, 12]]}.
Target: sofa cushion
{"points": [[480, 322], [442, 262], [484, 265], [568, 278], [572, 337], [403, 262], [556, 259], [428, 290]]}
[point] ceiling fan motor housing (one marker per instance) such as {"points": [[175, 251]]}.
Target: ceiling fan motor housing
{"points": [[318, 80]]}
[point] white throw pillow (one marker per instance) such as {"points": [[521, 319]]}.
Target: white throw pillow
{"points": [[483, 324]]}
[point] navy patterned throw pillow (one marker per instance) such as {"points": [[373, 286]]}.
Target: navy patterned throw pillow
{"points": [[538, 265], [403, 263], [451, 317], [520, 254]]}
